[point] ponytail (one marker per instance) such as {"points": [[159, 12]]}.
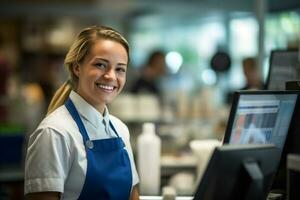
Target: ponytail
{"points": [[60, 96]]}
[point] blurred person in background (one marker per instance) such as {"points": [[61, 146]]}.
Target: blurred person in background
{"points": [[151, 72], [251, 73], [80, 151], [252, 77]]}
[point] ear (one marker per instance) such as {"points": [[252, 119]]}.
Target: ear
{"points": [[76, 69]]}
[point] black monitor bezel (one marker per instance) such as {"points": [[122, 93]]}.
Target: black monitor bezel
{"points": [[271, 60]]}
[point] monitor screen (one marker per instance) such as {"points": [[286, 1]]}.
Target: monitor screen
{"points": [[237, 172], [283, 66], [260, 117]]}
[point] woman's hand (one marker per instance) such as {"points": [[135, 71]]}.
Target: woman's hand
{"points": [[135, 193]]}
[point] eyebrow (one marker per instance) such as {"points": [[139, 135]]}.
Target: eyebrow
{"points": [[107, 61]]}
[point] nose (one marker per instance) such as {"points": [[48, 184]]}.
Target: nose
{"points": [[110, 74]]}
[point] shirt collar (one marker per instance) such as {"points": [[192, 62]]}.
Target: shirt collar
{"points": [[87, 111], [106, 116]]}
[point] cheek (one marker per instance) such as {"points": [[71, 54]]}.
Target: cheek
{"points": [[121, 83], [93, 75]]}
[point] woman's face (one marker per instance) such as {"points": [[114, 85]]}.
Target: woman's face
{"points": [[102, 74]]}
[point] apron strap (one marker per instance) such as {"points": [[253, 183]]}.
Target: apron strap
{"points": [[74, 113], [113, 128]]}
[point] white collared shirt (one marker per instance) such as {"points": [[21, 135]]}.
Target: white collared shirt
{"points": [[56, 157]]}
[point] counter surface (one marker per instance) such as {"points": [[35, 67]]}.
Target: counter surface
{"points": [[161, 198]]}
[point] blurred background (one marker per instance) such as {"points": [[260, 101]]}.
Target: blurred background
{"points": [[203, 43]]}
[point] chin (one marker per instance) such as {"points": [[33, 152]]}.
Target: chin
{"points": [[108, 100]]}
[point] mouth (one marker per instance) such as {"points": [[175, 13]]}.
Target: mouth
{"points": [[107, 88]]}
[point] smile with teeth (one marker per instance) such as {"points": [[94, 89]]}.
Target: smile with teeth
{"points": [[105, 87]]}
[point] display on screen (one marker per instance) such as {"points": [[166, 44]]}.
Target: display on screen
{"points": [[262, 119]]}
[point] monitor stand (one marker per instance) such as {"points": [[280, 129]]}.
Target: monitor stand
{"points": [[255, 176]]}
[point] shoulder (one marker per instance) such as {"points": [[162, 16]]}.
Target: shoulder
{"points": [[58, 119], [60, 122]]}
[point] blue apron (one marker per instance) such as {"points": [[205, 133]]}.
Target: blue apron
{"points": [[108, 175]]}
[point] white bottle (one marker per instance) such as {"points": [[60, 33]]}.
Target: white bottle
{"points": [[148, 157]]}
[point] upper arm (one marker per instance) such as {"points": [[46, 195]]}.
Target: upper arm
{"points": [[47, 162], [43, 195]]}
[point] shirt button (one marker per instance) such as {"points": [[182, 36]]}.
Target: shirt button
{"points": [[89, 144]]}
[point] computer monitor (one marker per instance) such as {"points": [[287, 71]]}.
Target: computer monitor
{"points": [[239, 172], [283, 66], [274, 115], [260, 117]]}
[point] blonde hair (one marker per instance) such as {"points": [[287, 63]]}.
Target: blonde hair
{"points": [[76, 54]]}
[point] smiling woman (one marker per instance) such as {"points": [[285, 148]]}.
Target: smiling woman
{"points": [[80, 151]]}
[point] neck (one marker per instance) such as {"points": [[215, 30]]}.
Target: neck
{"points": [[101, 109]]}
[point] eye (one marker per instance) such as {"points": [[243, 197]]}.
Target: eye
{"points": [[121, 69], [100, 65]]}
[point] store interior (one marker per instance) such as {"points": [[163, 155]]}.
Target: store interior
{"points": [[192, 103]]}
